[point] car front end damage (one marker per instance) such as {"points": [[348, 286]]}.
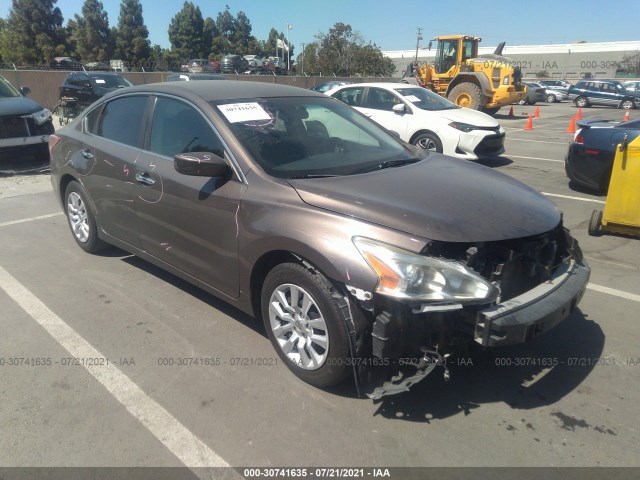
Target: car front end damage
{"points": [[490, 293]]}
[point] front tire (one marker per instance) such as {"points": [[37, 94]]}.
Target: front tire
{"points": [[304, 317], [551, 98], [81, 219], [627, 105], [428, 141]]}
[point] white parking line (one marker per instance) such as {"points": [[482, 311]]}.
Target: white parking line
{"points": [[582, 199], [191, 451], [536, 141], [29, 219], [614, 292], [535, 158]]}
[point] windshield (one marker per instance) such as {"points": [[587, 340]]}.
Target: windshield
{"points": [[425, 99], [296, 137], [111, 81], [7, 90]]}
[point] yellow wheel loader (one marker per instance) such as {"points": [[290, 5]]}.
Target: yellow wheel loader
{"points": [[485, 82]]}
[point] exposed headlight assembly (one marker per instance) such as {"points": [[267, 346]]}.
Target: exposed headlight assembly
{"points": [[405, 275], [42, 116]]}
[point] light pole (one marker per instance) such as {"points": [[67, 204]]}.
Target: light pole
{"points": [[289, 27]]}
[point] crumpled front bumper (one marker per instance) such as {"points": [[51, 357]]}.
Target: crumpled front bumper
{"points": [[536, 311]]}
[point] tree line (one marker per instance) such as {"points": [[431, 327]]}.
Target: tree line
{"points": [[33, 34]]}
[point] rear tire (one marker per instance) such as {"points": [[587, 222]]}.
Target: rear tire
{"points": [[491, 111], [581, 102], [305, 319], [81, 219], [466, 95], [551, 98], [594, 223]]}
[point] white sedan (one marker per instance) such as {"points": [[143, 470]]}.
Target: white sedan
{"points": [[425, 119]]}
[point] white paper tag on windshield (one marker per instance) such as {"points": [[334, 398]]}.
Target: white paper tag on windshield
{"points": [[412, 98], [244, 112], [98, 80]]}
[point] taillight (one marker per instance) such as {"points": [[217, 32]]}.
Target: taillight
{"points": [[53, 141], [591, 151], [579, 139]]}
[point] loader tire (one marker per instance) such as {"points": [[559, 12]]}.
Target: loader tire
{"points": [[466, 95]]}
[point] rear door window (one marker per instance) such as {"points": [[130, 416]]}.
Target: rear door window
{"points": [[121, 120]]}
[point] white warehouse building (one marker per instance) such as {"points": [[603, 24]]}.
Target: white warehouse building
{"points": [[569, 60]]}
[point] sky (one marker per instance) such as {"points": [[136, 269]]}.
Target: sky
{"points": [[393, 25]]}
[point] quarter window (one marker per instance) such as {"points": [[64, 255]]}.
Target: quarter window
{"points": [[121, 120]]}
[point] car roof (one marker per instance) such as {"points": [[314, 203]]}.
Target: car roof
{"points": [[231, 89], [390, 85]]}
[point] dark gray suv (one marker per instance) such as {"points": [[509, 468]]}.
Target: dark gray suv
{"points": [[361, 253], [607, 93]]}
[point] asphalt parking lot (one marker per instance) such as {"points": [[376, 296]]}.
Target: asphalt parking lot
{"points": [[97, 358]]}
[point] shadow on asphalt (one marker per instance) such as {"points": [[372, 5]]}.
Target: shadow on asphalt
{"points": [[512, 375], [495, 162]]}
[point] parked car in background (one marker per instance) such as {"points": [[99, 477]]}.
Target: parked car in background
{"points": [[233, 64], [352, 246], [255, 62], [65, 63], [25, 125], [535, 93], [631, 86], [608, 93], [590, 157], [188, 77], [97, 66], [326, 86], [561, 85], [203, 65], [425, 119], [276, 64], [87, 87], [118, 65]]}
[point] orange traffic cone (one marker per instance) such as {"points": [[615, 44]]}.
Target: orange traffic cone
{"points": [[511, 111], [529, 125], [572, 126], [536, 114], [626, 116], [579, 114]]}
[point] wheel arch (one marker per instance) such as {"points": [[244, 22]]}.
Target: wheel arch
{"points": [[420, 132]]}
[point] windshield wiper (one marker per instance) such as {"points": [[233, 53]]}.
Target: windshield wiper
{"points": [[310, 175], [392, 163]]}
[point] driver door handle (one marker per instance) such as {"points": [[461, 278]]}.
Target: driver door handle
{"points": [[145, 179]]}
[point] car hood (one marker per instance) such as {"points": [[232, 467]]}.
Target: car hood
{"points": [[466, 115], [438, 198], [18, 106]]}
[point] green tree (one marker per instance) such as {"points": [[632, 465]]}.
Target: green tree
{"points": [[33, 32], [186, 32], [307, 63], [630, 63], [91, 33], [132, 37], [209, 32], [336, 50]]}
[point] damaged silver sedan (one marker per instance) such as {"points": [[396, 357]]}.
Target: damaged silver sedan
{"points": [[359, 252]]}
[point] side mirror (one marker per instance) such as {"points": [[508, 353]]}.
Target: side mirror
{"points": [[400, 108], [201, 164], [25, 91]]}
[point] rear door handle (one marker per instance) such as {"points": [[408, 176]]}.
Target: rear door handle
{"points": [[145, 179]]}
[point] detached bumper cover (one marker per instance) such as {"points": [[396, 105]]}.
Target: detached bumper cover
{"points": [[524, 317]]}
